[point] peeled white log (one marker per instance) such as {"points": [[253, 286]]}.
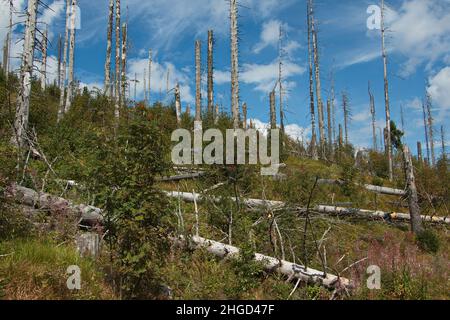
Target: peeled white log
{"points": [[270, 264], [378, 214], [368, 187], [189, 197], [88, 214], [182, 177]]}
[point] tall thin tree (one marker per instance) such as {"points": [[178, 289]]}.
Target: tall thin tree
{"points": [[150, 62], [124, 63], [198, 82], [346, 108], [425, 125], [313, 146], [374, 120], [117, 62], [244, 114], [273, 115], [234, 62], [26, 73], [59, 60], [178, 103], [444, 153], [109, 49], [44, 44], [386, 94], [210, 88], [431, 129], [62, 87], [280, 77], [71, 78]]}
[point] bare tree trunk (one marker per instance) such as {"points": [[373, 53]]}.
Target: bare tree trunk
{"points": [[416, 219], [26, 73], [71, 84], [431, 129], [145, 86], [234, 63], [117, 63], [64, 64], [7, 66], [44, 60], [109, 49], [244, 113], [188, 109], [5, 56], [333, 108], [198, 82], [425, 124], [311, 87], [330, 130], [273, 116], [419, 152], [178, 103], [320, 108], [444, 154], [386, 96], [374, 120], [216, 115], [210, 72], [150, 61], [280, 78], [124, 63], [59, 59], [346, 114], [341, 137]]}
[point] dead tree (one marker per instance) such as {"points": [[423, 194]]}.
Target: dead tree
{"points": [[5, 57], [150, 61], [109, 49], [341, 137], [71, 79], [425, 124], [234, 62], [333, 107], [178, 103], [62, 87], [26, 74], [311, 86], [44, 60], [8, 43], [167, 80], [431, 129], [273, 116], [386, 95], [346, 107], [444, 154], [145, 86], [198, 82], [419, 152], [374, 120], [280, 77], [210, 72], [315, 44], [124, 63], [117, 63], [330, 130], [216, 115], [416, 219], [244, 113], [59, 59]]}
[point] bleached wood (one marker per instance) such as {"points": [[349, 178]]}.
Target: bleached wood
{"points": [[413, 201], [62, 86], [71, 79], [198, 82], [210, 63], [44, 60], [109, 49], [117, 64], [234, 62], [178, 103]]}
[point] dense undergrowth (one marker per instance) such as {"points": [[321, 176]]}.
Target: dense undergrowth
{"points": [[116, 168]]}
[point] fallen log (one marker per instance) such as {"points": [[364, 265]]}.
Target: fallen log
{"points": [[368, 187], [270, 264], [88, 214], [180, 177], [377, 214], [189, 197]]}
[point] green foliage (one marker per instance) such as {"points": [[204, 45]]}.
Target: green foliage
{"points": [[396, 137], [428, 241]]}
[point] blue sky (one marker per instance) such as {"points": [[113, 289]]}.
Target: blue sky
{"points": [[418, 45]]}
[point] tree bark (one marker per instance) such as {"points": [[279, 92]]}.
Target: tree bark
{"points": [[330, 129], [59, 60], [346, 115], [71, 80], [62, 87], [124, 63], [372, 112], [150, 62], [386, 96], [117, 63], [431, 130], [26, 73], [198, 82], [244, 113], [234, 62], [280, 78], [273, 116], [444, 154], [178, 103], [414, 209], [109, 49], [425, 124], [419, 152], [313, 146]]}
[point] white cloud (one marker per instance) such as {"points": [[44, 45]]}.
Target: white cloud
{"points": [[439, 89], [294, 131], [270, 37]]}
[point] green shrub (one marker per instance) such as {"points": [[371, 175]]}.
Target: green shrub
{"points": [[428, 241]]}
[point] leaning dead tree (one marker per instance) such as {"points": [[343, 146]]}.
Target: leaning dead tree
{"points": [[413, 200], [62, 86], [234, 62], [26, 74], [178, 103], [71, 79], [312, 111], [117, 63], [431, 129], [210, 72], [109, 49], [44, 44], [374, 120], [315, 44], [386, 96], [198, 81]]}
